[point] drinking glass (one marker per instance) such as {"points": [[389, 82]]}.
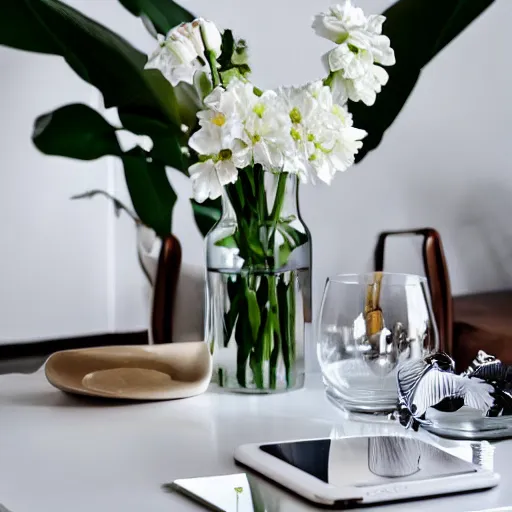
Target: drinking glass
{"points": [[369, 325]]}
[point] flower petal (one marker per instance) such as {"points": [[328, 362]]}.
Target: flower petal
{"points": [[211, 35], [374, 23], [207, 141], [205, 182], [381, 75], [226, 172], [382, 51]]}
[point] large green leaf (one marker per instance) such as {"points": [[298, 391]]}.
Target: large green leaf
{"points": [[75, 131], [20, 28], [97, 54], [163, 14], [152, 195], [166, 144], [206, 214], [419, 30]]}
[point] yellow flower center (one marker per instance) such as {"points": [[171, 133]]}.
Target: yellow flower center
{"points": [[219, 119]]}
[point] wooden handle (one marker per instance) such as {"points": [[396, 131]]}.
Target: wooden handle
{"points": [[164, 295], [437, 276]]}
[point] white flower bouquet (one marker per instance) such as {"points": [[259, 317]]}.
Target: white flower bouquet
{"points": [[305, 130], [246, 144]]}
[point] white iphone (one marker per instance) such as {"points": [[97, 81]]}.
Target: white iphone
{"points": [[354, 471]]}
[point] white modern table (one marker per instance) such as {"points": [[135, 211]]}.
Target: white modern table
{"points": [[60, 453]]}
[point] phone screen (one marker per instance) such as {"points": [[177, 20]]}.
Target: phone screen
{"points": [[366, 461]]}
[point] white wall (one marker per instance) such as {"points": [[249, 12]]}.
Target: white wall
{"points": [[70, 268]]}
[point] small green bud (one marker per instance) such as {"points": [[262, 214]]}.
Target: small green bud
{"points": [[295, 115], [295, 134], [259, 109], [353, 49], [311, 138], [255, 138], [342, 38]]}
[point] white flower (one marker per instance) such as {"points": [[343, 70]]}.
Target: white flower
{"points": [[339, 22], [259, 121], [325, 140], [182, 53], [361, 45], [363, 89], [176, 58], [347, 26], [236, 102], [221, 155], [267, 131], [352, 60]]}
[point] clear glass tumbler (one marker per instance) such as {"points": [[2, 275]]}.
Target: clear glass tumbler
{"points": [[369, 325]]}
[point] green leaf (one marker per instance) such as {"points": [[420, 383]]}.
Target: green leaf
{"points": [[229, 242], [20, 28], [228, 47], [285, 249], [152, 195], [253, 311], [206, 214], [419, 30], [166, 145], [75, 131], [298, 238], [95, 53], [163, 14]]}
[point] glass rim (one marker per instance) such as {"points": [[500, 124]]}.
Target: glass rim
{"points": [[367, 277]]}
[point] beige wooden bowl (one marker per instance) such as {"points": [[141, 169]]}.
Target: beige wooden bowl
{"points": [[143, 372]]}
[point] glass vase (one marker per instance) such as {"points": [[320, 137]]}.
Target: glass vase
{"points": [[259, 285]]}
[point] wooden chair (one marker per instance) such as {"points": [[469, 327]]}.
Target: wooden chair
{"points": [[466, 323], [164, 295]]}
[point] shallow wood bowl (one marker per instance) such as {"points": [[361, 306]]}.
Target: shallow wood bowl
{"points": [[144, 372]]}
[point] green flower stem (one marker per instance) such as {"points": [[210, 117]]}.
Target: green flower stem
{"points": [[276, 326], [262, 311], [212, 62]]}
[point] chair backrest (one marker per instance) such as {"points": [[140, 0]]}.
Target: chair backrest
{"points": [[164, 293], [437, 276]]}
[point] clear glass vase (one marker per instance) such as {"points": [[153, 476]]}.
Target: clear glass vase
{"points": [[259, 285]]}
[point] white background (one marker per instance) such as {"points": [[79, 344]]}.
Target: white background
{"points": [[70, 268]]}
